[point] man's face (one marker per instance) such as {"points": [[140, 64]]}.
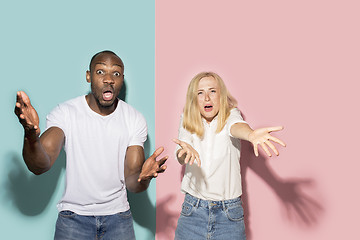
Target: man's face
{"points": [[106, 77], [208, 98]]}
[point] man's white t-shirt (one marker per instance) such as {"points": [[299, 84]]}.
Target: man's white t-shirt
{"points": [[219, 177], [95, 147]]}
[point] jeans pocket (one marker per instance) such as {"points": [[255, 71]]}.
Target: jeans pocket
{"points": [[186, 209], [235, 213], [67, 214], [126, 214]]}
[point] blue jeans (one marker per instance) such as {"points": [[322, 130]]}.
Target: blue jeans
{"points": [[71, 226], [202, 219]]}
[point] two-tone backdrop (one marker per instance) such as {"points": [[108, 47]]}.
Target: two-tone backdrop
{"points": [[290, 63]]}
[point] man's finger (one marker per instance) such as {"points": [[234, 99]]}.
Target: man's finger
{"points": [[163, 160], [157, 152], [161, 170], [25, 98], [19, 98]]}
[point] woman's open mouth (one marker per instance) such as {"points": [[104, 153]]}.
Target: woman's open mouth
{"points": [[208, 108]]}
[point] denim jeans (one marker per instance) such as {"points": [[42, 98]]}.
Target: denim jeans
{"points": [[202, 219], [71, 226]]}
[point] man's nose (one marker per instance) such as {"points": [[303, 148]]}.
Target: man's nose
{"points": [[108, 79]]}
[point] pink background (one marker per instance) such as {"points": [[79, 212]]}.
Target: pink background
{"points": [[290, 63]]}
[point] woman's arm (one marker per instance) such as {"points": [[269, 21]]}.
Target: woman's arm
{"points": [[260, 136]]}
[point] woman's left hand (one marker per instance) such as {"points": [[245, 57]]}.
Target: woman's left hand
{"points": [[263, 137]]}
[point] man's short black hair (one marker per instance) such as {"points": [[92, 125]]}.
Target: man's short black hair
{"points": [[105, 51]]}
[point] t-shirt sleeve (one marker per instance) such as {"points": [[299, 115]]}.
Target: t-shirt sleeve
{"points": [[140, 131], [56, 118], [235, 117]]}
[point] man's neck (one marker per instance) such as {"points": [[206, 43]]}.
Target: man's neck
{"points": [[96, 107]]}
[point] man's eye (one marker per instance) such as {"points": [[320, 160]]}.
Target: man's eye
{"points": [[117, 74], [100, 72]]}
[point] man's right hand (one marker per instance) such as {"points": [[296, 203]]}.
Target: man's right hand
{"points": [[27, 115]]}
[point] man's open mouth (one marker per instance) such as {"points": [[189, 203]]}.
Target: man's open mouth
{"points": [[108, 95]]}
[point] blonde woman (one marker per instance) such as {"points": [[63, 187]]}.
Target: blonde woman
{"points": [[208, 143]]}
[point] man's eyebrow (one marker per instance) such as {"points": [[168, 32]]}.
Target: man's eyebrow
{"points": [[113, 65], [118, 65]]}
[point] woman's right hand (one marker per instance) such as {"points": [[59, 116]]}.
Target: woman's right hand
{"points": [[187, 154]]}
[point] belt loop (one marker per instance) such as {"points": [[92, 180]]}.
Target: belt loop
{"points": [[197, 202], [223, 203]]}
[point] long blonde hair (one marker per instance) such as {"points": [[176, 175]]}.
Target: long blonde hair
{"points": [[192, 121]]}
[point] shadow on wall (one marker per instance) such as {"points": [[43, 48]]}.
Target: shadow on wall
{"points": [[31, 194], [299, 207], [166, 218], [143, 211]]}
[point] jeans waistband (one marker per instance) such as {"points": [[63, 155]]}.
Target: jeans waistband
{"points": [[197, 202]]}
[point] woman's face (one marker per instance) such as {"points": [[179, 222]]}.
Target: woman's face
{"points": [[208, 96]]}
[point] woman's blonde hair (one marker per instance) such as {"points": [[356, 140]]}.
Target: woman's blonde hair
{"points": [[192, 121]]}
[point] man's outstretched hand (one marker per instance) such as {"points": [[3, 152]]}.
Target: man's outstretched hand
{"points": [[151, 167], [27, 115]]}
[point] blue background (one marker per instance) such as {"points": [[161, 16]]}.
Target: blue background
{"points": [[45, 50]]}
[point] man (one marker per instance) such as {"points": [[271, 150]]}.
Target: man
{"points": [[103, 138]]}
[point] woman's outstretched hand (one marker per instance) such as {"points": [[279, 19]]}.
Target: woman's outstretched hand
{"points": [[263, 138]]}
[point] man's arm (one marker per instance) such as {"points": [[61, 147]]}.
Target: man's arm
{"points": [[39, 152], [258, 136], [139, 173]]}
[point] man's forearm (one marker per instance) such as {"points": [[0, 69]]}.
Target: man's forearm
{"points": [[35, 156], [133, 185]]}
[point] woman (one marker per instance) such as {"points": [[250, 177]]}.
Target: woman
{"points": [[209, 134]]}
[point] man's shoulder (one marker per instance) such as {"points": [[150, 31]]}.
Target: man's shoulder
{"points": [[71, 103], [74, 101], [66, 106], [126, 107]]}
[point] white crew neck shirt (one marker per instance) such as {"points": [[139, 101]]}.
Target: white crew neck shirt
{"points": [[218, 178], [95, 147]]}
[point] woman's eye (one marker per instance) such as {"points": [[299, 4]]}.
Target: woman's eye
{"points": [[199, 93], [213, 91], [99, 71]]}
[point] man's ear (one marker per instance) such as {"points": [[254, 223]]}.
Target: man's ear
{"points": [[88, 79]]}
